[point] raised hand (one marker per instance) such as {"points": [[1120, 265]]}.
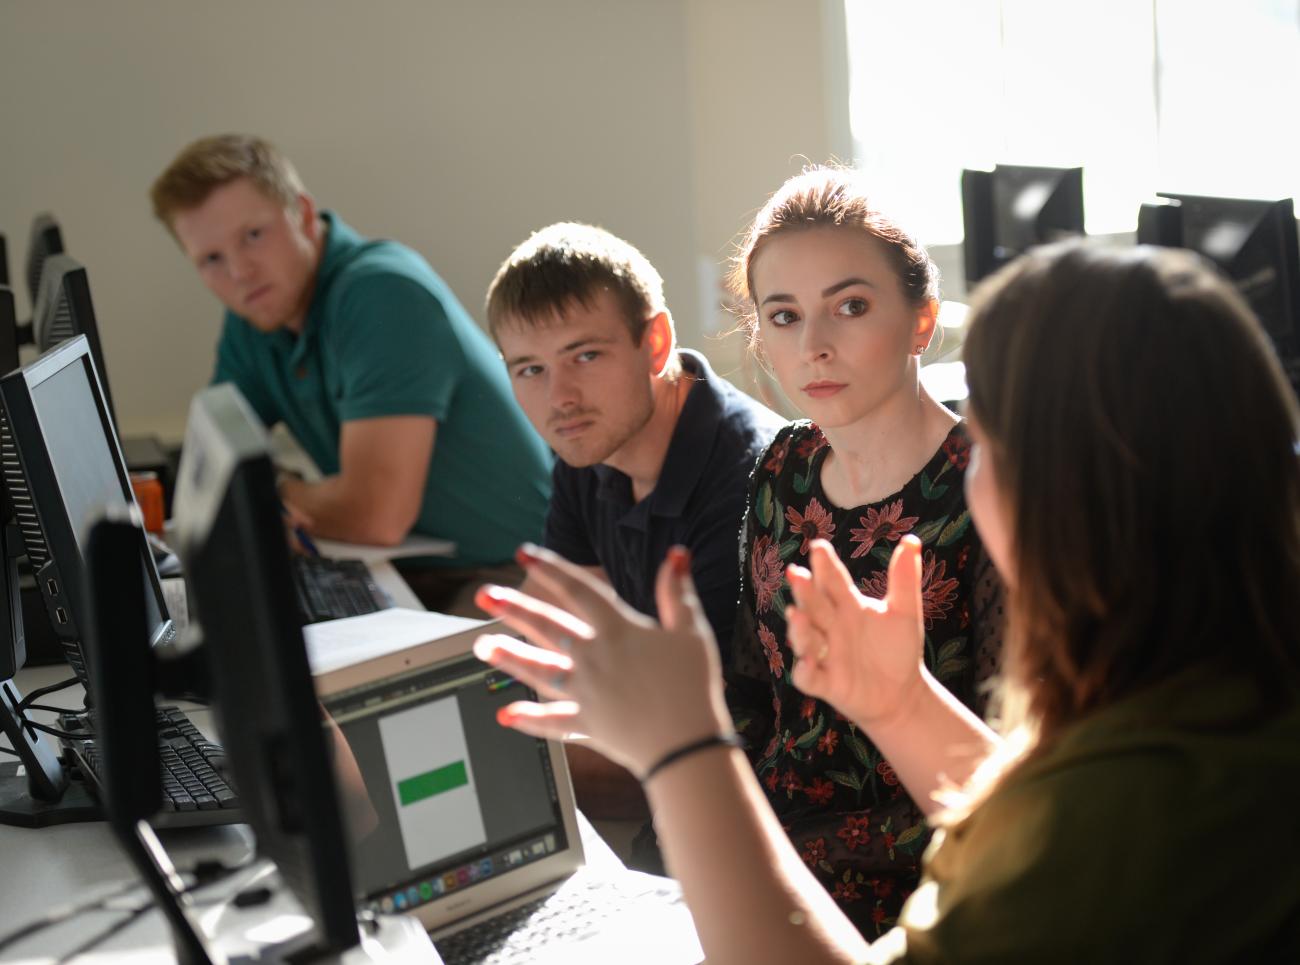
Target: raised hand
{"points": [[637, 689], [861, 655]]}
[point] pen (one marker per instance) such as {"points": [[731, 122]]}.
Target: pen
{"points": [[300, 535], [306, 541]]}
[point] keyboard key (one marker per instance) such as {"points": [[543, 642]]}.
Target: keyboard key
{"points": [[333, 589], [189, 782]]}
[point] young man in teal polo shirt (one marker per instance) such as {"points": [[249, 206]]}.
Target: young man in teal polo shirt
{"points": [[367, 357]]}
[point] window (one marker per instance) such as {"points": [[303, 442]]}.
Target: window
{"points": [[1189, 96]]}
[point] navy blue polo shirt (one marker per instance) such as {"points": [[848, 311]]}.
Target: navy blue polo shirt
{"points": [[698, 502]]}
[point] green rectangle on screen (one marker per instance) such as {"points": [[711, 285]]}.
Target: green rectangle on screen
{"points": [[432, 783]]}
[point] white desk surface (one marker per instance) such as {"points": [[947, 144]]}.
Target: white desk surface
{"points": [[71, 864], [46, 868]]}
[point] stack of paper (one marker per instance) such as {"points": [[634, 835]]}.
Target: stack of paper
{"points": [[342, 643]]}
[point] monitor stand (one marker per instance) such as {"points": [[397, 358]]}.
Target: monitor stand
{"points": [[36, 791], [384, 938], [391, 938]]}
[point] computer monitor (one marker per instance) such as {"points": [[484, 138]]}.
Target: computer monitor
{"points": [[61, 463], [40, 779], [126, 678], [1256, 245], [8, 330], [1014, 207], [45, 240], [13, 642], [64, 310], [232, 543]]}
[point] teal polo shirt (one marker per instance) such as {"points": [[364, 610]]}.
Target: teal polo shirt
{"points": [[385, 336]]}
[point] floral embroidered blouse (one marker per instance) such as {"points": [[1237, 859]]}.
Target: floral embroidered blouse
{"points": [[834, 793]]}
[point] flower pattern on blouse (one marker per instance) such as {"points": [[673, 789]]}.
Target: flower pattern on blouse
{"points": [[839, 800]]}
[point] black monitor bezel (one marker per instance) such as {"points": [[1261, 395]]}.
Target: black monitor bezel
{"points": [[62, 563], [8, 331], [43, 241], [1277, 214], [13, 641], [984, 249], [64, 281], [232, 544]]}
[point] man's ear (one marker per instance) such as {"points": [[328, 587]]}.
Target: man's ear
{"points": [[308, 216], [659, 339]]}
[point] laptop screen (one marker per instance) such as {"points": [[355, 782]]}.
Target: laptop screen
{"points": [[439, 797]]}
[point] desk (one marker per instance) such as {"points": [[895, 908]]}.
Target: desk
{"points": [[72, 863], [391, 582], [43, 869]]}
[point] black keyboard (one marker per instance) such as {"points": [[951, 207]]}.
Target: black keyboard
{"points": [[195, 792], [333, 589], [565, 917]]}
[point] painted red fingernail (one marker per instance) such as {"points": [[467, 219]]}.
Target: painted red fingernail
{"points": [[524, 555], [505, 716], [489, 597], [680, 558]]}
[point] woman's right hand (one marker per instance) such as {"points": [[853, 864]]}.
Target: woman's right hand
{"points": [[861, 655], [638, 690]]}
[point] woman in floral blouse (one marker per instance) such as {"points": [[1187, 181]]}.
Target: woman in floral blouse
{"points": [[844, 305], [1140, 804]]}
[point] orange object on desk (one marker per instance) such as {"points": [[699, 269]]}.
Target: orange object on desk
{"points": [[149, 494]]}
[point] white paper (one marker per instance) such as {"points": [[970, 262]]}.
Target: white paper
{"points": [[342, 643], [414, 545]]}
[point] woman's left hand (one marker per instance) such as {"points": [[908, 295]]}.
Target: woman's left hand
{"points": [[638, 690]]}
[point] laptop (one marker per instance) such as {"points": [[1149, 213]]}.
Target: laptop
{"points": [[472, 828]]}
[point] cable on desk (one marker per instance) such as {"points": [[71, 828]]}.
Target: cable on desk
{"points": [[206, 873], [53, 731], [60, 915], [39, 692], [107, 933], [48, 708]]}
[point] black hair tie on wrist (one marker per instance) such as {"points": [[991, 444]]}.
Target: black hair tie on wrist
{"points": [[713, 740]]}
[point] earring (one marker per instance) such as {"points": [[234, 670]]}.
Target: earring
{"points": [[919, 350]]}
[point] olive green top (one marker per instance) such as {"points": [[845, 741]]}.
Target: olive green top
{"points": [[1165, 828]]}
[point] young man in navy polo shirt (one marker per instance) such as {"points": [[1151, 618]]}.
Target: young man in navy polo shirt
{"points": [[654, 449], [369, 359]]}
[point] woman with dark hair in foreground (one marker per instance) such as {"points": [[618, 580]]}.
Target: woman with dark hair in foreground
{"points": [[1135, 480]]}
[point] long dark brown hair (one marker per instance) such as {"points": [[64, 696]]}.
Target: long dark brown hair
{"points": [[1146, 442]]}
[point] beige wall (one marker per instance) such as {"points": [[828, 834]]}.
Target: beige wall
{"points": [[769, 95], [454, 127]]}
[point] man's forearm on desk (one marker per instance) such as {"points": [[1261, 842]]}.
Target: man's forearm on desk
{"points": [[376, 495], [343, 511]]}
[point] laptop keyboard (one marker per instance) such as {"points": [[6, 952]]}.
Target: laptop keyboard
{"points": [[334, 589], [568, 916], [194, 792]]}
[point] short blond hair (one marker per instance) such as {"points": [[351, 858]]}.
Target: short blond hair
{"points": [[211, 162]]}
